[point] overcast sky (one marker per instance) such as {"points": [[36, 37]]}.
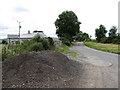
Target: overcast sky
{"points": [[41, 15]]}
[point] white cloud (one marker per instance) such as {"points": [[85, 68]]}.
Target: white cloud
{"points": [[41, 14], [20, 9], [3, 27]]}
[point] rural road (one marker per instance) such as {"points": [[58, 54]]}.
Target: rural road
{"points": [[99, 70]]}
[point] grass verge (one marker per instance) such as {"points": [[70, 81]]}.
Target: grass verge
{"points": [[66, 49], [113, 48]]}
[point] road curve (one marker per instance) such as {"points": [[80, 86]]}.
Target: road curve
{"points": [[100, 68]]}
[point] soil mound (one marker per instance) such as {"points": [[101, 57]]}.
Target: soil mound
{"points": [[45, 69]]}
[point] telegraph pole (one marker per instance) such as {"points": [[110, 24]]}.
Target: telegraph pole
{"points": [[19, 30]]}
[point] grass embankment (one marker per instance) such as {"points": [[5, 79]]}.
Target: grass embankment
{"points": [[66, 49], [113, 48]]}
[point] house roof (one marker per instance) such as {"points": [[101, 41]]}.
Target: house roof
{"points": [[26, 36], [31, 35], [13, 36]]}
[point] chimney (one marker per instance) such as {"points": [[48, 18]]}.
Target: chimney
{"points": [[28, 31]]}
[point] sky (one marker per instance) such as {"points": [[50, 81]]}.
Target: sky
{"points": [[41, 15]]}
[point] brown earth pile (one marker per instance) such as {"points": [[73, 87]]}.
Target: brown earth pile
{"points": [[45, 69]]}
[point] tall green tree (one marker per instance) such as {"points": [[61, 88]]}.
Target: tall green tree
{"points": [[67, 25], [112, 32], [100, 33], [82, 36], [79, 36], [112, 35], [86, 37]]}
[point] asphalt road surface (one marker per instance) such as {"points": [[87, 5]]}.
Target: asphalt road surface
{"points": [[100, 69]]}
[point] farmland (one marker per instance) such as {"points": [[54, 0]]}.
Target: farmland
{"points": [[113, 48]]}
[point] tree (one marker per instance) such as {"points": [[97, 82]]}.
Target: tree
{"points": [[82, 36], [86, 37], [112, 35], [79, 36], [112, 32], [100, 33], [67, 25]]}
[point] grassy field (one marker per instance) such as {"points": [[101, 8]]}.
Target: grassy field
{"points": [[113, 48]]}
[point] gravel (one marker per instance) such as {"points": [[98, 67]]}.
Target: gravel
{"points": [[45, 69]]}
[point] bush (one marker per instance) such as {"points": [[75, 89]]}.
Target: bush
{"points": [[17, 42], [45, 44], [116, 40], [66, 42], [93, 40], [37, 38], [104, 40], [4, 42], [51, 41], [36, 47], [4, 53], [26, 44], [36, 44]]}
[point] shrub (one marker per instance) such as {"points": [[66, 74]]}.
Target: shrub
{"points": [[36, 47], [66, 42], [104, 40], [93, 40], [45, 44], [36, 44], [116, 40], [51, 41], [17, 42], [26, 44], [4, 53], [37, 38], [4, 42]]}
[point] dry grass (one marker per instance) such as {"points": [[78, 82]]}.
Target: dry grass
{"points": [[113, 48]]}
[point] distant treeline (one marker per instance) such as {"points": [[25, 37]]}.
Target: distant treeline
{"points": [[113, 36]]}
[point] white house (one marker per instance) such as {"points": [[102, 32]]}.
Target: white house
{"points": [[12, 38]]}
